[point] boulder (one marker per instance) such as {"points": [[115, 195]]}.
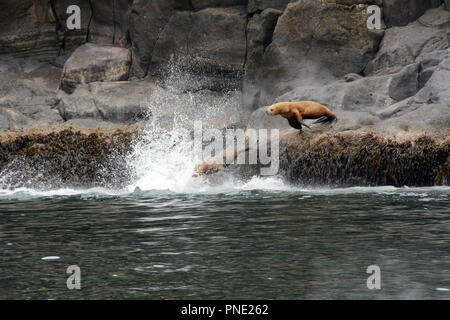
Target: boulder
{"points": [[406, 83], [122, 101], [402, 12], [78, 105], [314, 43], [90, 63]]}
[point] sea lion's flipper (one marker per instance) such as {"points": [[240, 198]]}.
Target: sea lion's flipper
{"points": [[324, 119], [293, 122]]}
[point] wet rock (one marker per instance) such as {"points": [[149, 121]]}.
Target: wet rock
{"points": [[90, 63], [110, 22], [65, 158], [71, 39], [402, 46], [147, 21], [207, 42], [402, 12], [28, 29], [356, 158], [260, 30]]}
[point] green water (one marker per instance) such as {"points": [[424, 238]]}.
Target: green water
{"points": [[237, 244]]}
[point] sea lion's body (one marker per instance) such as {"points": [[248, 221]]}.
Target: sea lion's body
{"points": [[296, 112]]}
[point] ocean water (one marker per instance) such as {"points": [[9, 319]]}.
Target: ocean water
{"points": [[261, 240], [167, 235]]}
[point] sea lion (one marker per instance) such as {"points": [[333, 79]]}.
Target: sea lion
{"points": [[295, 112], [219, 162]]}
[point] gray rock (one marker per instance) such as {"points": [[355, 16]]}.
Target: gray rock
{"points": [[402, 12], [314, 43], [406, 83], [402, 46], [28, 92], [260, 30], [27, 29], [260, 5], [16, 120], [78, 105], [209, 41], [121, 101], [110, 22], [362, 95], [434, 94], [436, 18], [4, 122], [90, 63], [70, 39], [147, 21]]}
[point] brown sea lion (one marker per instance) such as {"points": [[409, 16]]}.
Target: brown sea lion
{"points": [[296, 112]]}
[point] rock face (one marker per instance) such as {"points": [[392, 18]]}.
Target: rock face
{"points": [[27, 28], [402, 12], [404, 45], [260, 5], [110, 22], [90, 63], [209, 41], [147, 21], [28, 93], [334, 41], [220, 61]]}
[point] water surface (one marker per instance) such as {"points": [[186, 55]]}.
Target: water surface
{"points": [[241, 243]]}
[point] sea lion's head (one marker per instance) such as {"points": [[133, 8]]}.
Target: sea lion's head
{"points": [[272, 110]]}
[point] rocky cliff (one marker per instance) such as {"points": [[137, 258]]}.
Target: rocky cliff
{"points": [[129, 53]]}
